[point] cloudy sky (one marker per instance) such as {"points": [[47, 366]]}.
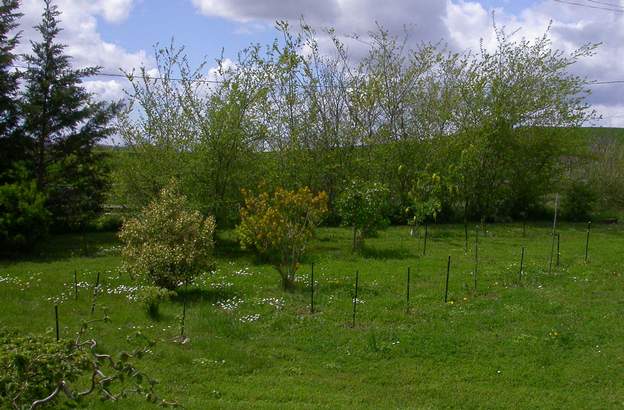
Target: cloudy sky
{"points": [[118, 34]]}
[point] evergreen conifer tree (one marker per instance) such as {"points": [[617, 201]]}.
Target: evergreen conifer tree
{"points": [[10, 148], [64, 124]]}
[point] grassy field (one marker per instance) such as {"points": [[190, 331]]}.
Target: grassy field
{"points": [[548, 340]]}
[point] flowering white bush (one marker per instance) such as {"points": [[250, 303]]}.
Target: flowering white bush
{"points": [[168, 243]]}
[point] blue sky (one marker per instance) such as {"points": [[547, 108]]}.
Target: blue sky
{"points": [[158, 21], [120, 34]]}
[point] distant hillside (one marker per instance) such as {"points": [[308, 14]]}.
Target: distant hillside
{"points": [[584, 133], [602, 132]]}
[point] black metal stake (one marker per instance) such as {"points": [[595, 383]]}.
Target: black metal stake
{"points": [[476, 267], [408, 290], [426, 235], [448, 272], [521, 265], [95, 292], [552, 247], [558, 248], [183, 317], [587, 242], [184, 310], [312, 289], [524, 224], [56, 319], [465, 238], [75, 285], [357, 281]]}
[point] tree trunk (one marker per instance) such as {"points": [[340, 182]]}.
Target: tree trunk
{"points": [[288, 284]]}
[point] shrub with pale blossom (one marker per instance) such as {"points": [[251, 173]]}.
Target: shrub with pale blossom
{"points": [[168, 243]]}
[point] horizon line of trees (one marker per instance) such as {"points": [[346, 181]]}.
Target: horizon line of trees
{"points": [[486, 135]]}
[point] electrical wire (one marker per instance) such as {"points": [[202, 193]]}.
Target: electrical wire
{"points": [[618, 6], [200, 80], [147, 77], [574, 3]]}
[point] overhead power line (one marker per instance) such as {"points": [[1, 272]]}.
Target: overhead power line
{"points": [[147, 77], [619, 6], [615, 9], [606, 82], [202, 80]]}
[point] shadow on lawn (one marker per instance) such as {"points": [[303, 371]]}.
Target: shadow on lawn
{"points": [[193, 295], [387, 253], [66, 246], [228, 246]]}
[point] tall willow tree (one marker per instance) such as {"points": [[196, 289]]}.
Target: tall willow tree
{"points": [[306, 112]]}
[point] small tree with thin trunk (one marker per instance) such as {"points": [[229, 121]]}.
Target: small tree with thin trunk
{"points": [[278, 227], [361, 206], [425, 197]]}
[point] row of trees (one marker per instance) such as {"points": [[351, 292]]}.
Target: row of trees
{"points": [[442, 134], [460, 135], [51, 173]]}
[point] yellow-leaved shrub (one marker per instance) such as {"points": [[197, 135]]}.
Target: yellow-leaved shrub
{"points": [[279, 226]]}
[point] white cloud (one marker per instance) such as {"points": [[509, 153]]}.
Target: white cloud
{"points": [[572, 27], [612, 115], [467, 23], [246, 10], [111, 90], [84, 43], [424, 17], [113, 10]]}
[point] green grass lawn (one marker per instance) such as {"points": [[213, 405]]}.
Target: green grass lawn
{"points": [[549, 340]]}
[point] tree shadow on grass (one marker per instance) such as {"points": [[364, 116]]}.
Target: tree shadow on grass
{"points": [[65, 246], [194, 295], [387, 253], [226, 246], [345, 287]]}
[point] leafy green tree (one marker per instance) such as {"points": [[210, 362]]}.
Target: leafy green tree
{"points": [[514, 101], [11, 146], [180, 124], [487, 123], [605, 171], [64, 124], [426, 197], [579, 201], [362, 206]]}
